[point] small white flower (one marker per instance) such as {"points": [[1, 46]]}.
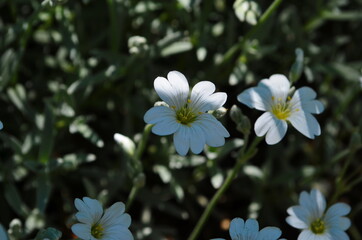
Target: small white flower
{"points": [[187, 117], [111, 224], [310, 216], [249, 230], [271, 95]]}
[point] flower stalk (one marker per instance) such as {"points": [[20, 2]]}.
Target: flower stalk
{"points": [[244, 156]]}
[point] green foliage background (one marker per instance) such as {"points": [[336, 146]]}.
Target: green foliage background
{"points": [[71, 78]]}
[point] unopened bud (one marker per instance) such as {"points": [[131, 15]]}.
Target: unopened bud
{"points": [[244, 125], [236, 114], [220, 112]]}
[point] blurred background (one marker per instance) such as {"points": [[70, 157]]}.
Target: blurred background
{"points": [[74, 73]]}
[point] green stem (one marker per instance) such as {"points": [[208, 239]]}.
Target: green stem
{"points": [[138, 178], [132, 195], [114, 37], [243, 157]]}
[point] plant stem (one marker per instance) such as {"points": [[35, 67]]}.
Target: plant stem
{"points": [[243, 157], [138, 178]]}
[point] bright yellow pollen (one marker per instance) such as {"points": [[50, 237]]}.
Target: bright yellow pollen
{"points": [[189, 100], [318, 227], [97, 231], [281, 109]]}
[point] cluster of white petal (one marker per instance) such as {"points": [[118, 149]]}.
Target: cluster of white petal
{"points": [[112, 223], [187, 115], [240, 230], [310, 216], [271, 96]]}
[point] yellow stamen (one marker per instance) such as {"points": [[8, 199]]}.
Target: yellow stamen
{"points": [[97, 231], [318, 227]]}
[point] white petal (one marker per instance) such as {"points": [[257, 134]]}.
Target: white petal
{"points": [[197, 139], [84, 217], [181, 139], [269, 233], [277, 132], [180, 85], [278, 86], [1, 125], [251, 229], [211, 102], [313, 106], [117, 232], [309, 204], [299, 215], [202, 90], [338, 234], [296, 222], [217, 239], [338, 209], [306, 235], [158, 114], [214, 132], [263, 124], [319, 201], [341, 223], [236, 228], [166, 127], [115, 215], [257, 97], [89, 206], [82, 231], [305, 123], [174, 94]]}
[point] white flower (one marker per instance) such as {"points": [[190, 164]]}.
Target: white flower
{"points": [[111, 224], [249, 230], [271, 95], [310, 216], [187, 117]]}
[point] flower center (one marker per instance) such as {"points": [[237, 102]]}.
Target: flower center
{"points": [[97, 231], [281, 109], [318, 226], [185, 115]]}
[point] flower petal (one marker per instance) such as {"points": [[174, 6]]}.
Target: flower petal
{"points": [[263, 124], [197, 139], [82, 231], [166, 127], [89, 206], [1, 125], [173, 92], [301, 216], [269, 233], [342, 223], [180, 86], [277, 132], [296, 222], [236, 228], [305, 123], [303, 99], [117, 232], [251, 229], [278, 85], [338, 234], [337, 210], [214, 132], [202, 90], [114, 215], [181, 139], [306, 235], [158, 114], [256, 97], [319, 201]]}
